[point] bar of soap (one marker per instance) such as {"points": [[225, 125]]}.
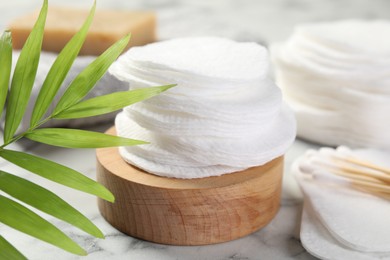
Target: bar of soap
{"points": [[106, 28]]}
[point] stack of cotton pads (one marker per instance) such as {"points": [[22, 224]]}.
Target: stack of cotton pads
{"points": [[339, 221], [225, 114], [336, 76]]}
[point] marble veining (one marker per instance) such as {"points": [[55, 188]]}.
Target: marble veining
{"points": [[249, 20]]}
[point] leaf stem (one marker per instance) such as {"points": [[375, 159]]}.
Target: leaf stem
{"points": [[21, 135], [32, 128]]}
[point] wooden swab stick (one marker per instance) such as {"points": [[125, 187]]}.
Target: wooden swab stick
{"points": [[367, 164], [364, 186], [356, 176], [332, 163], [344, 152], [364, 172], [325, 166], [355, 180], [372, 186]]}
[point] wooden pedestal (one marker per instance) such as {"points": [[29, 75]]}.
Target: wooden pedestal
{"points": [[188, 211]]}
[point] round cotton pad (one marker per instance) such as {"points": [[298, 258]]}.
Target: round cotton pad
{"points": [[225, 114], [335, 75]]}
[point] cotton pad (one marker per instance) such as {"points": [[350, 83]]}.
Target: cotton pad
{"points": [[340, 221], [336, 77], [224, 115], [317, 240]]}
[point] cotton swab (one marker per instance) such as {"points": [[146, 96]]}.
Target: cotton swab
{"points": [[346, 154], [344, 179], [327, 165], [343, 182], [331, 159]]}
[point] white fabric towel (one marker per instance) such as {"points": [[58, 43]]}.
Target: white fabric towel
{"points": [[336, 77], [225, 115]]}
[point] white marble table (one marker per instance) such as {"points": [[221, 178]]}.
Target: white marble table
{"points": [[278, 240], [261, 21]]}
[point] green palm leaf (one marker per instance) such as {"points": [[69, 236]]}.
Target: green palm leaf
{"points": [[87, 79], [59, 70], [46, 201], [8, 251], [14, 214], [24, 76], [32, 224], [74, 138], [57, 173], [5, 65], [111, 102]]}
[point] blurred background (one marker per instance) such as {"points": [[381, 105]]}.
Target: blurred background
{"points": [[262, 21]]}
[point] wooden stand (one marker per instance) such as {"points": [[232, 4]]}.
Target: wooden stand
{"points": [[188, 211]]}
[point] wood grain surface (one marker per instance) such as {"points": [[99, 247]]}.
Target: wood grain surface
{"points": [[188, 211]]}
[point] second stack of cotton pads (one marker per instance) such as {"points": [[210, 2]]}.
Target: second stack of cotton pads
{"points": [[336, 76]]}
